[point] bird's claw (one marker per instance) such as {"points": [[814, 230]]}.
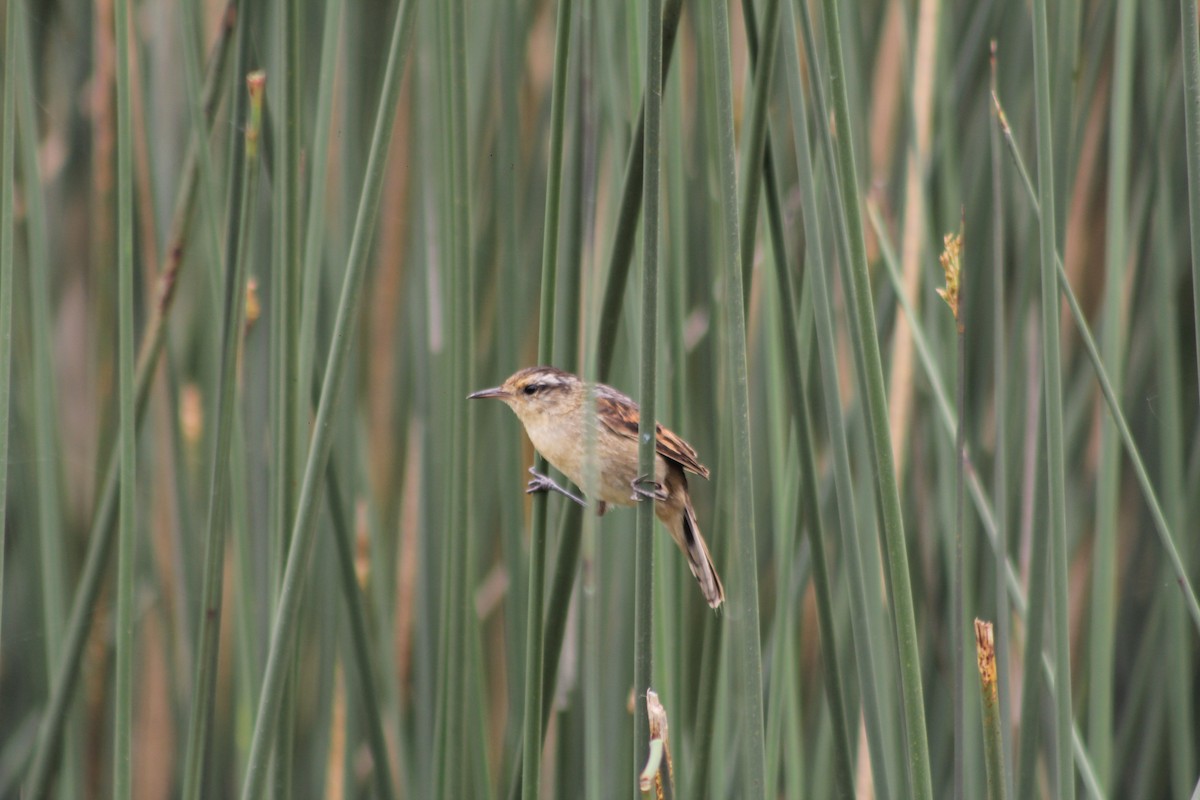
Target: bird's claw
{"points": [[646, 489], [543, 483]]}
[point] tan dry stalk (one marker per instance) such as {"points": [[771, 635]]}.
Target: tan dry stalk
{"points": [[900, 390]]}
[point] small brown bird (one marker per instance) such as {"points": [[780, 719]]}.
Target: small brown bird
{"points": [[551, 404]]}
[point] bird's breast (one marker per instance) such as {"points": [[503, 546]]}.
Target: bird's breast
{"points": [[559, 445], [565, 445]]}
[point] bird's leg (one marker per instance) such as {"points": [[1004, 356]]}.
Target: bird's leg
{"points": [[543, 483], [601, 507], [645, 488]]}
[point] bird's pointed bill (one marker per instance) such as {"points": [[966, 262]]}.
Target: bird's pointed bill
{"points": [[495, 391]]}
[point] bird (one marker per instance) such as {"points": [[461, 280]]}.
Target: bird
{"points": [[552, 405]]}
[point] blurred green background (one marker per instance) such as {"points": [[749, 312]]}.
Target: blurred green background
{"points": [[320, 584]]}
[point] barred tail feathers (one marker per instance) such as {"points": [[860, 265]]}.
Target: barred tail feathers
{"points": [[699, 561]]}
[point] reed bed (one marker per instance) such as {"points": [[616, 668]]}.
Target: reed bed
{"points": [[257, 542]]}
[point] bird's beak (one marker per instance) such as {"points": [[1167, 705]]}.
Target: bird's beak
{"points": [[495, 391]]}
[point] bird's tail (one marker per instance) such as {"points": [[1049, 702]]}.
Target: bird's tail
{"points": [[699, 561]]}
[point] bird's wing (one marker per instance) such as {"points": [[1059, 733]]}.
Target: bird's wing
{"points": [[620, 415]]}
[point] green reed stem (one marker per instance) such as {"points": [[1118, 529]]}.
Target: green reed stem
{"points": [[286, 286], [283, 630], [984, 508], [917, 749], [1052, 367], [758, 143], [822, 292], [448, 662], [959, 603], [315, 226], [209, 625], [1102, 628], [7, 235], [461, 545], [1191, 104], [127, 541], [52, 551], [288, 436], [207, 175], [103, 529], [625, 233], [1166, 538], [643, 597], [744, 613], [1178, 686], [534, 629], [343, 538], [1000, 471], [815, 258]]}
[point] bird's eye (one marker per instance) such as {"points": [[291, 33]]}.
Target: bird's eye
{"points": [[532, 388]]}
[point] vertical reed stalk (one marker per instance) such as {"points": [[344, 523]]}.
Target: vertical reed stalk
{"points": [[127, 542], [1161, 525], [104, 527], [1170, 387], [287, 295], [534, 630], [758, 144], [283, 629], [431, 552], [7, 234], [448, 636], [821, 299], [508, 162], [209, 625], [1103, 622], [917, 743], [952, 294], [289, 394], [744, 615], [815, 259], [55, 592], [643, 597], [1191, 105], [559, 603], [625, 230], [1033, 656], [464, 318], [359, 641], [1053, 398], [318, 159], [1000, 466], [207, 175]]}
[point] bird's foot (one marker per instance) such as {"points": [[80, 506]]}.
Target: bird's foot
{"points": [[644, 488], [543, 483]]}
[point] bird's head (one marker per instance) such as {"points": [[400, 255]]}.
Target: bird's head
{"points": [[537, 393]]}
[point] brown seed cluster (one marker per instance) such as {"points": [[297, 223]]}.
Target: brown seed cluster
{"points": [[951, 260]]}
